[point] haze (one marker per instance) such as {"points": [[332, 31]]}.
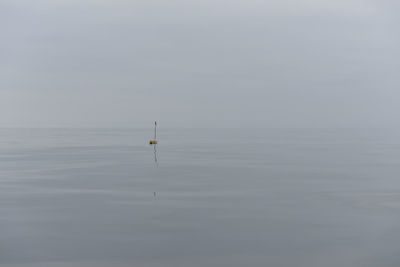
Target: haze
{"points": [[199, 63]]}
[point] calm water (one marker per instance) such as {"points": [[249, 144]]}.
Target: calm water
{"points": [[289, 197]]}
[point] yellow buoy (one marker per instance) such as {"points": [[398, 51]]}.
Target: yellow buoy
{"points": [[154, 141]]}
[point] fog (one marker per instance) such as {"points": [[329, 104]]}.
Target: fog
{"points": [[199, 63]]}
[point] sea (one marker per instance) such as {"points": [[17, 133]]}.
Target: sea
{"points": [[237, 197]]}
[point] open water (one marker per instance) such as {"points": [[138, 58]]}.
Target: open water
{"points": [[215, 197]]}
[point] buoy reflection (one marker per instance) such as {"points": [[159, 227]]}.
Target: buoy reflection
{"points": [[155, 155]]}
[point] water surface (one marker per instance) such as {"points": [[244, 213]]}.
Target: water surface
{"points": [[216, 197]]}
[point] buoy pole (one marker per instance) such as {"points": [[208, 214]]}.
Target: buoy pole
{"points": [[154, 141], [155, 130]]}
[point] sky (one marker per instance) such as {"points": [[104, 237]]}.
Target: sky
{"points": [[219, 63]]}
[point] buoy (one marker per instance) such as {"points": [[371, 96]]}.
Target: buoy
{"points": [[154, 141]]}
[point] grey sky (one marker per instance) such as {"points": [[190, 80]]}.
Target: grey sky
{"points": [[266, 62]]}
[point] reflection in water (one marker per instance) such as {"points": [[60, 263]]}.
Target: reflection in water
{"points": [[155, 160], [155, 155]]}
